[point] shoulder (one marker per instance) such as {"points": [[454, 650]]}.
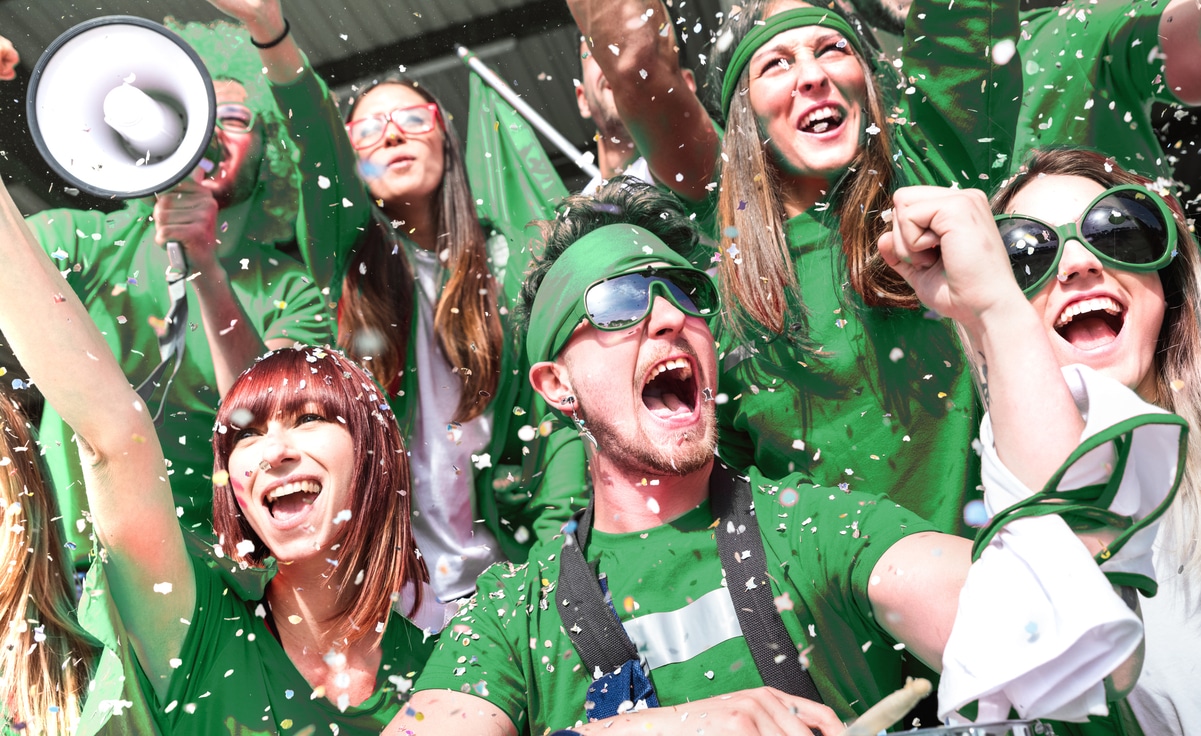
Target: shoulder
{"points": [[796, 508]]}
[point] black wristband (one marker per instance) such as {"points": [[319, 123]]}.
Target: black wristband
{"points": [[275, 42]]}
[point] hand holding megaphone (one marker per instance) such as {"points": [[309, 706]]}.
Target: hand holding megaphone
{"points": [[9, 58], [187, 214]]}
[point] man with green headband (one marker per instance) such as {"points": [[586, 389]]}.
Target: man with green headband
{"points": [[244, 295], [687, 599]]}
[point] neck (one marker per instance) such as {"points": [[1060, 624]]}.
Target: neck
{"points": [[632, 500], [614, 153], [309, 595], [420, 225], [800, 193], [306, 610]]}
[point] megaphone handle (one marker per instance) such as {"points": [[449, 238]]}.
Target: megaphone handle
{"points": [[177, 262]]}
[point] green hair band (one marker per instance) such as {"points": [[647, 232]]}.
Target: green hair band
{"points": [[608, 251], [764, 31]]}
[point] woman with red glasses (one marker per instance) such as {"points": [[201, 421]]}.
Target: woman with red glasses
{"points": [[1113, 269], [423, 293]]}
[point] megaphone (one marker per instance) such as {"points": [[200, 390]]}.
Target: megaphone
{"points": [[121, 107]]}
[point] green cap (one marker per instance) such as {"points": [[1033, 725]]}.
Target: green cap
{"points": [[766, 30], [608, 251]]}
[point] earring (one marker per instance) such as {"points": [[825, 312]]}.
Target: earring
{"points": [[567, 400], [585, 433]]}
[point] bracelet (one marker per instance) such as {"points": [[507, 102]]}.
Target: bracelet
{"points": [[275, 42]]}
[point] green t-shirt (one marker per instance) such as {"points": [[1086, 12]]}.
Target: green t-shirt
{"points": [[516, 506], [881, 401], [234, 676], [1091, 71], [508, 645], [117, 270], [883, 404]]}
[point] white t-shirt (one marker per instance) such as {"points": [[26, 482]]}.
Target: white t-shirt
{"points": [[640, 170], [456, 546], [1167, 698]]}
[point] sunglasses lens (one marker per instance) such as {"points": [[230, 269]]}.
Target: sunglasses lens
{"points": [[1128, 227], [1032, 247], [618, 302], [625, 300]]}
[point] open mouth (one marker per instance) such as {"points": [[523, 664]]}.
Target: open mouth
{"points": [[671, 390], [1091, 323], [822, 120], [292, 499]]}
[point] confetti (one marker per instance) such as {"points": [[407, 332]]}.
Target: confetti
{"points": [[294, 619], [163, 588]]}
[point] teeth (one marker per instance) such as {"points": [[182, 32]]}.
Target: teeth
{"points": [[819, 116], [300, 486], [1097, 304], [671, 365]]}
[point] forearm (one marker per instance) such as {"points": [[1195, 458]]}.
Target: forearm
{"points": [[51, 333], [283, 61], [634, 45], [232, 339], [1035, 421]]}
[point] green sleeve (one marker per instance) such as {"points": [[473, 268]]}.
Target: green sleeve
{"points": [[335, 206], [959, 109], [481, 651], [292, 307], [1133, 35], [67, 235]]}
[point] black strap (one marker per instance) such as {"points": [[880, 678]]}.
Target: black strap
{"points": [[172, 342], [601, 640], [597, 633], [744, 560]]}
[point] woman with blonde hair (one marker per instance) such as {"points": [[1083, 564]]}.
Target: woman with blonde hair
{"points": [[45, 657], [1112, 265], [423, 292]]}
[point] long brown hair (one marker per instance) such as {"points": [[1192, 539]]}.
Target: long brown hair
{"points": [[377, 297], [1178, 348], [762, 289], [45, 657], [377, 556]]}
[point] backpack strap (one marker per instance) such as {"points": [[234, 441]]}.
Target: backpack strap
{"points": [[745, 562], [586, 609]]}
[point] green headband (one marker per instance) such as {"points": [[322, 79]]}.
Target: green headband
{"points": [[764, 31], [608, 251]]}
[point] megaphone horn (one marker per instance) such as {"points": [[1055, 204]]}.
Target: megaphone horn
{"points": [[121, 107]]}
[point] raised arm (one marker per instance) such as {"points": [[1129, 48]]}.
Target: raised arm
{"points": [[635, 46], [1180, 41], [142, 547], [189, 215], [334, 204], [945, 244]]}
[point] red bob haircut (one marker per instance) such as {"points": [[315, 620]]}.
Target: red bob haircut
{"points": [[376, 556]]}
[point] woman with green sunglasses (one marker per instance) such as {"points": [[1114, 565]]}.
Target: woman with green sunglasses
{"points": [[1113, 270]]}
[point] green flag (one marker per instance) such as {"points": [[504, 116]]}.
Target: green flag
{"points": [[511, 176]]}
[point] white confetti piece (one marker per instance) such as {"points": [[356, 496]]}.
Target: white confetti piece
{"points": [[163, 588]]}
